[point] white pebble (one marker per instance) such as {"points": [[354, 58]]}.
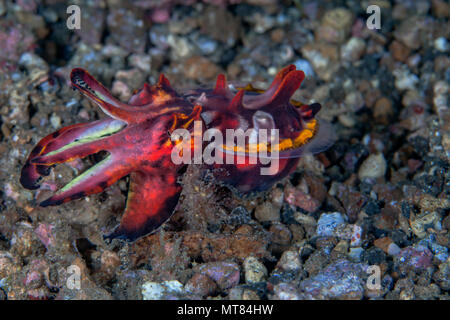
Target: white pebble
{"points": [[328, 222], [373, 167]]}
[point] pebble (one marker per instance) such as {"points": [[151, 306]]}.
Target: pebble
{"points": [[290, 261], [304, 219], [141, 61], [9, 264], [45, 233], [181, 47], [255, 271], [220, 24], [416, 258], [373, 167], [383, 111], [14, 40], [404, 79], [262, 22], [354, 101], [441, 44], [323, 65], [235, 293], [225, 274], [387, 219], [305, 66], [201, 284], [440, 97], [55, 120], [396, 78], [24, 241], [353, 49], [342, 280], [285, 291], [297, 197], [388, 246], [122, 23], [200, 68], [248, 294], [340, 251], [443, 275], [160, 291], [280, 234], [2, 11], [440, 252], [33, 61], [441, 8], [92, 25], [399, 51], [328, 222], [278, 35], [110, 261], [347, 120], [152, 291], [429, 203], [355, 254], [158, 35], [351, 232], [239, 216], [422, 222], [335, 25], [277, 197], [408, 32], [267, 212], [206, 45], [133, 78], [182, 26], [121, 90]]}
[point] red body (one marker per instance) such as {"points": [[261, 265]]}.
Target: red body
{"points": [[137, 138]]}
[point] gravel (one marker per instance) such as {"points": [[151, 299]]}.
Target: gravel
{"points": [[376, 200]]}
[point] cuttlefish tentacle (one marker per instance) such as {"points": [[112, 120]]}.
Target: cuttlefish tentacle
{"points": [[286, 82], [31, 173], [60, 143], [71, 153], [94, 180], [116, 109]]}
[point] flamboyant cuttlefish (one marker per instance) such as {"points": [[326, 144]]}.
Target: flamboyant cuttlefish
{"points": [[137, 137]]}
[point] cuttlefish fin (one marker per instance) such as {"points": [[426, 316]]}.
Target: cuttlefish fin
{"points": [[151, 201]]}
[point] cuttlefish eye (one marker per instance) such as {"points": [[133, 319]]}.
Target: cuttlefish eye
{"points": [[263, 120]]}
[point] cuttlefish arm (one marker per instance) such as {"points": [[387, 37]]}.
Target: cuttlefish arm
{"points": [[66, 144]]}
